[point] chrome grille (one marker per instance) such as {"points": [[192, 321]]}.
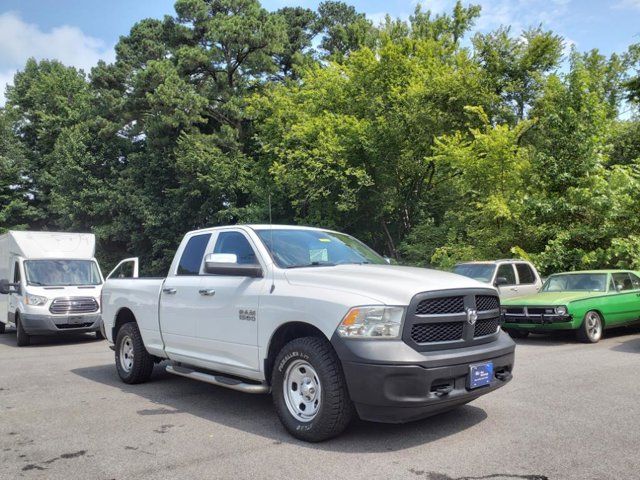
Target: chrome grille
{"points": [[487, 302], [487, 327], [73, 305], [440, 306], [436, 332]]}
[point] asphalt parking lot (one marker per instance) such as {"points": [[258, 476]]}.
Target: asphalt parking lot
{"points": [[571, 412]]}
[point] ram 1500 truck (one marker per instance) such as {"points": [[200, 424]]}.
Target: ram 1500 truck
{"points": [[315, 317]]}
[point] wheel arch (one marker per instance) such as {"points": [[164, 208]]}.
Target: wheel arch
{"points": [[283, 335], [124, 315]]}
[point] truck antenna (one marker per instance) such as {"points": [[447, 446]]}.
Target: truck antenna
{"points": [[273, 283]]}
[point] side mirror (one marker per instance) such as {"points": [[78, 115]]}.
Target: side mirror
{"points": [[387, 259], [227, 264], [7, 288], [501, 281]]}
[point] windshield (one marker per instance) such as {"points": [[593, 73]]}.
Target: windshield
{"points": [[478, 271], [58, 273], [309, 248], [576, 282]]}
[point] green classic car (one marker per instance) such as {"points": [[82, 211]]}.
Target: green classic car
{"points": [[587, 302]]}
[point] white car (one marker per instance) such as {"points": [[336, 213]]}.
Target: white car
{"points": [[512, 278], [316, 318]]}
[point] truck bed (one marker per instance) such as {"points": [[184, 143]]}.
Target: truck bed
{"points": [[141, 296]]}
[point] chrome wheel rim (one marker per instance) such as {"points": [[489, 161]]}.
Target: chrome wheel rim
{"points": [[594, 326], [302, 391], [126, 354]]}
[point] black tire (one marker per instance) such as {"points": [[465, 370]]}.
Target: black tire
{"points": [[141, 365], [335, 409], [592, 328], [3, 327], [22, 338], [518, 333]]}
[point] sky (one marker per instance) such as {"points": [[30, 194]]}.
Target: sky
{"points": [[81, 32]]}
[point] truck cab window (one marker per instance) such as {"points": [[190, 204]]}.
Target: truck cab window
{"points": [[525, 274], [236, 243], [16, 273], [191, 259]]}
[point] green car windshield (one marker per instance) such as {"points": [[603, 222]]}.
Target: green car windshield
{"points": [[576, 282]]}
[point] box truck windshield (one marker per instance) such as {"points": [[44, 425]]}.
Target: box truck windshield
{"points": [[58, 273]]}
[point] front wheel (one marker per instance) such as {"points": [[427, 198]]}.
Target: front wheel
{"points": [[591, 329], [3, 327], [22, 338], [133, 362], [309, 390]]}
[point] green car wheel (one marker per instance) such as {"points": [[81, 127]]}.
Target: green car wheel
{"points": [[591, 329]]}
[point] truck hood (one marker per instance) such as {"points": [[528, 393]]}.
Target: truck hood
{"points": [[551, 298], [386, 284], [72, 291]]}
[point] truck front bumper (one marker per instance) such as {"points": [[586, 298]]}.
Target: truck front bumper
{"points": [[59, 324], [417, 384]]}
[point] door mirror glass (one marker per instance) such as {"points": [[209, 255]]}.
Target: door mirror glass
{"points": [[227, 264], [500, 281]]}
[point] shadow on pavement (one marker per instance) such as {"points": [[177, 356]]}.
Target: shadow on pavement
{"points": [[631, 346], [255, 413], [40, 341]]}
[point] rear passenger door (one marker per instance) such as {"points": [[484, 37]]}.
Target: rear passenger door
{"points": [[510, 289], [527, 279]]}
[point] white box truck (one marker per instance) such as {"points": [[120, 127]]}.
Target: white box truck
{"points": [[50, 283]]}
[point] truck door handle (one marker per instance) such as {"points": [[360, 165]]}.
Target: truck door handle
{"points": [[169, 290], [207, 292]]}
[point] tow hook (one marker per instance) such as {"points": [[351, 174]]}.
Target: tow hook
{"points": [[504, 375], [442, 390]]}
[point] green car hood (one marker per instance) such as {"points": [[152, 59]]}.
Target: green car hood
{"points": [[551, 298]]}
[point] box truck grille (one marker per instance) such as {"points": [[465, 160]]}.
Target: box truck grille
{"points": [[74, 305], [436, 332]]}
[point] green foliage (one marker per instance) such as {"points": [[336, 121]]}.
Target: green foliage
{"points": [[432, 148]]}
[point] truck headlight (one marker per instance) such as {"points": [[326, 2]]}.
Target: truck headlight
{"points": [[376, 322], [561, 310], [35, 300]]}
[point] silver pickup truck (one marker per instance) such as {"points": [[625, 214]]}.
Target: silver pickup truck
{"points": [[316, 318]]}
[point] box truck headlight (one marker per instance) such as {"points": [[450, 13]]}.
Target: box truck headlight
{"points": [[375, 322], [35, 300]]}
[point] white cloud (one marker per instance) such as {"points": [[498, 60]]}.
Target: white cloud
{"points": [[521, 14], [20, 40], [628, 4]]}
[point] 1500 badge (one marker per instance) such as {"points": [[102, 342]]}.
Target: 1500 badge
{"points": [[248, 315]]}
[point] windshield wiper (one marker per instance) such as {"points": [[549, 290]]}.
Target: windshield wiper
{"points": [[314, 264]]}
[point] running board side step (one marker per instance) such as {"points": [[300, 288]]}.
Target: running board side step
{"points": [[219, 380]]}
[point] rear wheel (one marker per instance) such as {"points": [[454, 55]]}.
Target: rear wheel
{"points": [[22, 338], [309, 390], [591, 329], [133, 362]]}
